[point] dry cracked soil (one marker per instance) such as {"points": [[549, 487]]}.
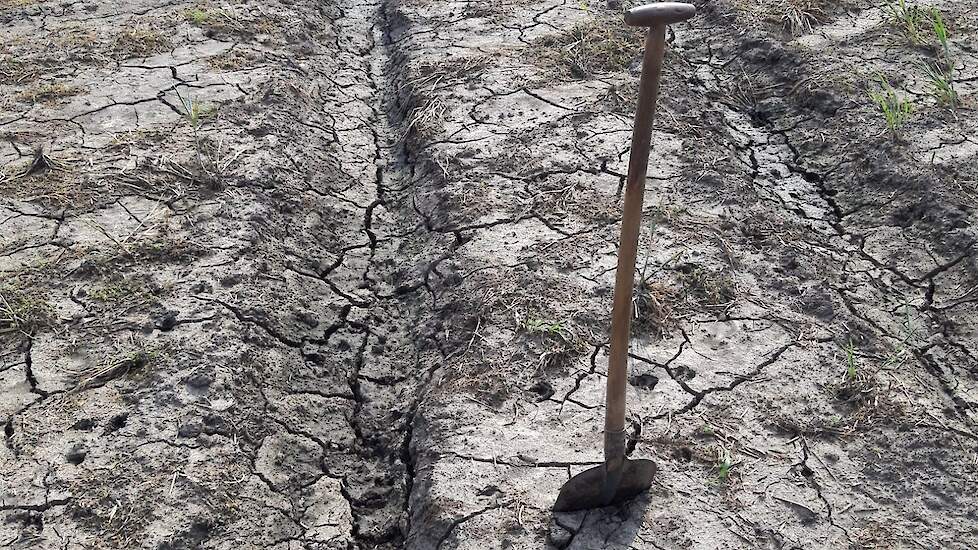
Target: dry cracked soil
{"points": [[330, 274]]}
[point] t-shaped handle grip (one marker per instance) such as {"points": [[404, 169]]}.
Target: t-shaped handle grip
{"points": [[661, 13]]}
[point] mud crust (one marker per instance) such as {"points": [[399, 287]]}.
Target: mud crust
{"points": [[245, 332], [298, 274]]}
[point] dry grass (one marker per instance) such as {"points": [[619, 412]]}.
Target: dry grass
{"points": [[125, 293], [6, 4], [659, 306], [559, 342], [861, 397], [428, 78], [14, 71], [873, 535], [116, 367], [206, 166], [49, 94], [226, 21], [492, 8], [652, 307], [620, 99], [598, 45], [426, 118], [23, 310], [26, 60], [514, 336], [707, 288], [856, 389], [799, 17], [139, 43], [233, 60], [49, 187], [134, 140], [78, 44], [206, 491], [43, 178], [795, 17]]}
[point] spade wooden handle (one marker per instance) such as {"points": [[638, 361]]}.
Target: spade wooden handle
{"points": [[631, 222], [656, 17]]}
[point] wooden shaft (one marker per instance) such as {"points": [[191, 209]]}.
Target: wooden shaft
{"points": [[631, 222]]}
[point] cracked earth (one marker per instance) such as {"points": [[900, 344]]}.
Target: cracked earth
{"points": [[294, 274]]}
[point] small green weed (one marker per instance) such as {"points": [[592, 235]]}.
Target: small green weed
{"points": [[940, 30], [194, 111], [197, 16], [559, 343], [911, 20], [724, 465], [896, 111], [941, 79], [542, 326], [208, 168], [857, 384], [852, 369], [904, 350], [940, 73]]}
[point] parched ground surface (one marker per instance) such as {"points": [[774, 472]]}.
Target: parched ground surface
{"points": [[293, 274]]}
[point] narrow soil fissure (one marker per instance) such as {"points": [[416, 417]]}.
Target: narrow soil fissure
{"points": [[805, 192], [389, 392]]}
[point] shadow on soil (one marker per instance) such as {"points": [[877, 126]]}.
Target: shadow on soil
{"points": [[610, 527]]}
